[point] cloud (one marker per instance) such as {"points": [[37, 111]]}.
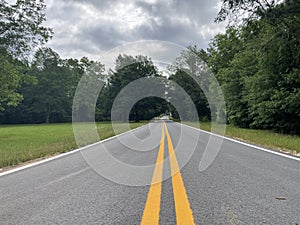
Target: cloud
{"points": [[91, 27]]}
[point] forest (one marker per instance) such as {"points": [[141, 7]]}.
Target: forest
{"points": [[256, 61]]}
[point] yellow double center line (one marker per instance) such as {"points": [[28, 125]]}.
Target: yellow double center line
{"points": [[184, 215]]}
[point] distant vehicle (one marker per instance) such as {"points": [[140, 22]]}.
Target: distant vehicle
{"points": [[166, 117]]}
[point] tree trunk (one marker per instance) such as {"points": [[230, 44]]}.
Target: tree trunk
{"points": [[47, 120]]}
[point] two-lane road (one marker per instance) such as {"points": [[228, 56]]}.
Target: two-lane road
{"points": [[243, 185]]}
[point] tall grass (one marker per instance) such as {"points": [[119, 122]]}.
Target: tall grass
{"points": [[264, 138]]}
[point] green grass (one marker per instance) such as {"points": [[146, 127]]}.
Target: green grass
{"points": [[21, 143], [264, 138]]}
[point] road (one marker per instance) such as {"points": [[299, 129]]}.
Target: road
{"points": [[243, 185]]}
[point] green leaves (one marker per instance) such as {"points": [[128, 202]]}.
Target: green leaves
{"points": [[21, 26], [185, 72], [244, 11], [128, 69], [258, 65], [10, 80], [21, 30]]}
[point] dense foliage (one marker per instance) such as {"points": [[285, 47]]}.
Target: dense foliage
{"points": [[50, 97], [258, 66], [129, 69], [256, 61], [21, 30], [187, 72]]}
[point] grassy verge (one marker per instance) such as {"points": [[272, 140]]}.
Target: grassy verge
{"points": [[21, 143], [264, 138]]}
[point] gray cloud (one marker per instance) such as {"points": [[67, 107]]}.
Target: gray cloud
{"points": [[91, 27]]}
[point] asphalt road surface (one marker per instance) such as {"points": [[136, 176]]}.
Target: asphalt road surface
{"points": [[243, 185]]}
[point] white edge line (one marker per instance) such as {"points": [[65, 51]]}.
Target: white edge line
{"points": [[65, 154], [246, 144]]}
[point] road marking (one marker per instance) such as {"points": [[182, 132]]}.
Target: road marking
{"points": [[152, 207], [63, 178], [184, 214]]}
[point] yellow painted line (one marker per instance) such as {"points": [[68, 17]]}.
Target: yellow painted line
{"points": [[184, 214], [152, 207]]}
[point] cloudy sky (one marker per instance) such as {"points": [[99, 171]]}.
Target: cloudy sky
{"points": [[93, 27]]}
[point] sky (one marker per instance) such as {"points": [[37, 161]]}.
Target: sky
{"points": [[93, 27]]}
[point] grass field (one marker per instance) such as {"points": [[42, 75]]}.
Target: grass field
{"points": [[264, 138], [21, 143]]}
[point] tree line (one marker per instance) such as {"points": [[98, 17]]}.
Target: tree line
{"points": [[48, 95], [256, 62]]}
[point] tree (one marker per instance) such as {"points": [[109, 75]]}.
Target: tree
{"points": [[222, 50], [129, 69], [257, 64], [87, 91], [244, 11], [10, 81], [21, 26], [232, 58], [52, 97], [274, 90], [188, 72], [185, 81], [20, 31]]}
